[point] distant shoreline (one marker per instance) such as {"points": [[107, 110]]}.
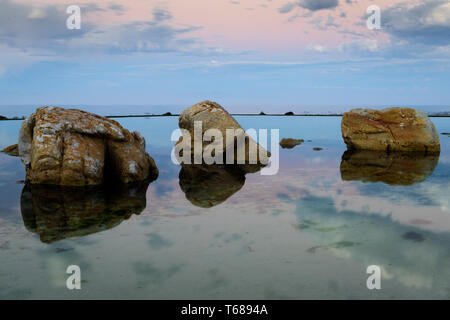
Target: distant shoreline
{"points": [[233, 114]]}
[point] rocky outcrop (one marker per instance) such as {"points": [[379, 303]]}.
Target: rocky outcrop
{"points": [[394, 129], [56, 212], [213, 116], [3, 118], [12, 150], [71, 147], [395, 168], [206, 186], [289, 143]]}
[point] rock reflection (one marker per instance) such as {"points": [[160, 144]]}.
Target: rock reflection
{"points": [[57, 213], [403, 169], [209, 185]]}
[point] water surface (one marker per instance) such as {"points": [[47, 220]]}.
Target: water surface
{"points": [[308, 232]]}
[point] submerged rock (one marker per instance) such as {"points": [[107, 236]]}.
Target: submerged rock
{"points": [[12, 150], [406, 168], [206, 186], [75, 148], [213, 116], [56, 212], [289, 143], [393, 129]]}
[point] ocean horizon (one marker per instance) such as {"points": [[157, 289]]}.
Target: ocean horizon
{"points": [[19, 111]]}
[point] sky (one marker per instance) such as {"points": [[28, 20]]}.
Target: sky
{"points": [[240, 53]]}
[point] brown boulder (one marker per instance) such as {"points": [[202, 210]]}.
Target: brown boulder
{"points": [[289, 143], [394, 129], [213, 116], [395, 168], [75, 148], [12, 150]]}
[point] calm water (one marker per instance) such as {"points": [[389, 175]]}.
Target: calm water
{"points": [[308, 232]]}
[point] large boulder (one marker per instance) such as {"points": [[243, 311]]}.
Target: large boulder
{"points": [[71, 147], [213, 116], [393, 129]]}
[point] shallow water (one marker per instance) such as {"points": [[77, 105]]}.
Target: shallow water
{"points": [[310, 231]]}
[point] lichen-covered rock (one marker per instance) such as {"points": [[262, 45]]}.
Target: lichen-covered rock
{"points": [[395, 168], [58, 212], [213, 116], [289, 143], [12, 150], [75, 148], [393, 129]]}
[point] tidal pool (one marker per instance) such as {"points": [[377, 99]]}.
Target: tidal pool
{"points": [[308, 232]]}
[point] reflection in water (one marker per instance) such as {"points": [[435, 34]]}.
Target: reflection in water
{"points": [[405, 253], [209, 185], [56, 213], [404, 169]]}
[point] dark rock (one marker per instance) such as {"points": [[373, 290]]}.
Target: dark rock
{"points": [[206, 186], [57, 212], [413, 236], [12, 150], [397, 168], [289, 143], [290, 113]]}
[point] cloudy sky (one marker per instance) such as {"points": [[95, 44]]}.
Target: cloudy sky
{"points": [[237, 52]]}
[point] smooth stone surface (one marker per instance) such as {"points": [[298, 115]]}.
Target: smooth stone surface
{"points": [[393, 129], [398, 168]]}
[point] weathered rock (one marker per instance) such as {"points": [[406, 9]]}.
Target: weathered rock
{"points": [[206, 186], [289, 143], [75, 148], [395, 168], [12, 150], [394, 129], [57, 212], [213, 116]]}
